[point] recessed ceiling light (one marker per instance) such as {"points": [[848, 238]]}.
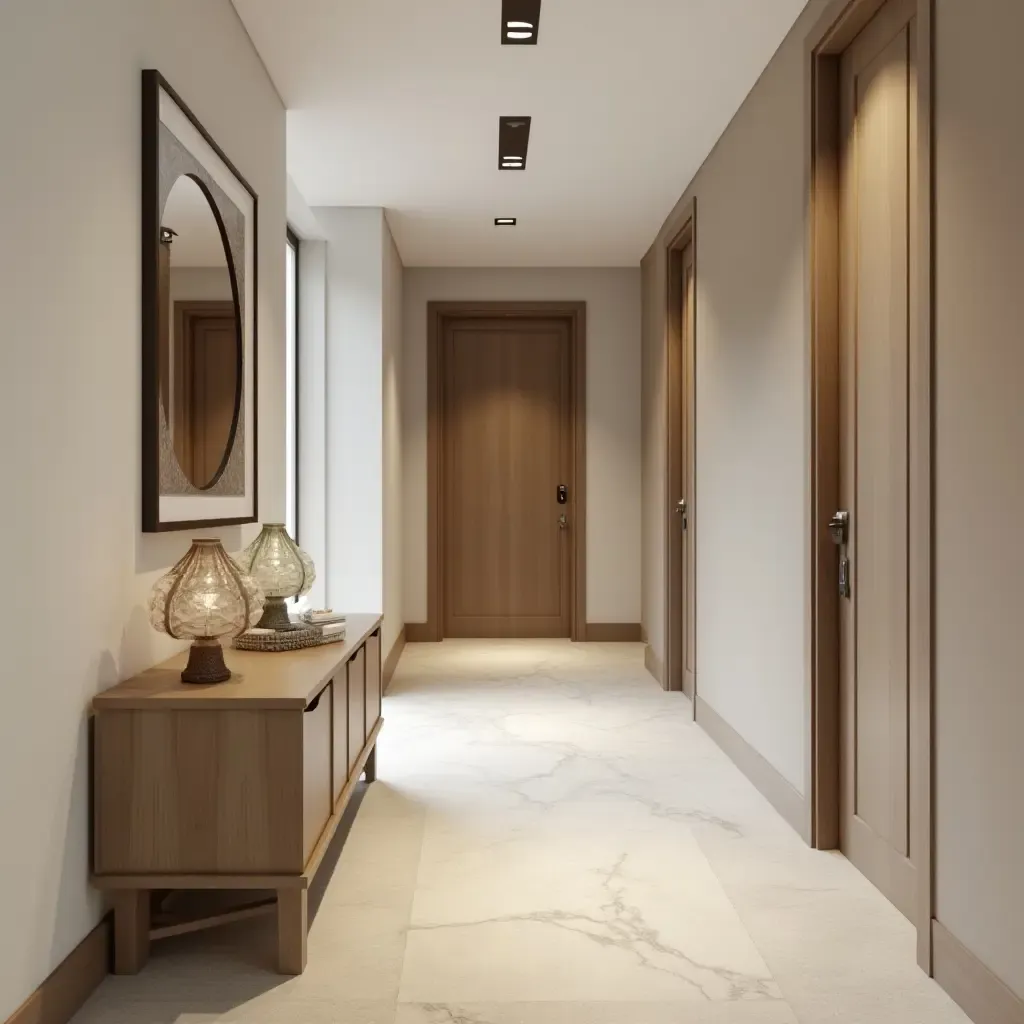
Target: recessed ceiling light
{"points": [[504, 222], [520, 22], [513, 142]]}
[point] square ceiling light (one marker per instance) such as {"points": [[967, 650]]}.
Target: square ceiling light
{"points": [[513, 143], [520, 22]]}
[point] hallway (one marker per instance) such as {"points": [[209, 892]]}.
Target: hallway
{"points": [[553, 842]]}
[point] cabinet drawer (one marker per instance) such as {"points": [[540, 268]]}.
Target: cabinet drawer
{"points": [[316, 769], [356, 706], [372, 681]]}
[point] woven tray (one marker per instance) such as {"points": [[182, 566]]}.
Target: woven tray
{"points": [[287, 640]]}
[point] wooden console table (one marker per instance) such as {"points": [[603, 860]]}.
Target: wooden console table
{"points": [[238, 786]]}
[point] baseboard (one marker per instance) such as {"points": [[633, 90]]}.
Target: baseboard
{"points": [[766, 778], [653, 665], [613, 632], [978, 992], [391, 661], [418, 633], [75, 978]]}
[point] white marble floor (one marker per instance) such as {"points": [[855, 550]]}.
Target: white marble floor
{"points": [[552, 841]]}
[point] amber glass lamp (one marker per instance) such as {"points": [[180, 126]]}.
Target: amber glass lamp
{"points": [[203, 598], [281, 568]]}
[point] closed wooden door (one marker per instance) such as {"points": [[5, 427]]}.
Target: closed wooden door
{"points": [[877, 96], [681, 665], [206, 346], [507, 450]]}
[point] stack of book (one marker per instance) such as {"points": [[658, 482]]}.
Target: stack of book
{"points": [[329, 622]]}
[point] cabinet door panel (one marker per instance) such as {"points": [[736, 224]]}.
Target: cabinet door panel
{"points": [[372, 682], [316, 771], [356, 707], [339, 725]]}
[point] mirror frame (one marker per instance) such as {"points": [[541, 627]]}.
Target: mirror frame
{"points": [[155, 454]]}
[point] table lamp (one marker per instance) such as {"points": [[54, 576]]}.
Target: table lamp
{"points": [[281, 568], [203, 598]]}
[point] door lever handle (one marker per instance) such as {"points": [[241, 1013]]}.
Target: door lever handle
{"points": [[563, 523]]}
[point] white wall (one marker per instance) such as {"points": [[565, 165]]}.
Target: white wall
{"points": [[392, 442], [354, 354], [613, 420], [77, 569], [360, 507], [312, 410]]}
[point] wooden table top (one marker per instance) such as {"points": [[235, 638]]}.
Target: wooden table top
{"points": [[282, 680]]}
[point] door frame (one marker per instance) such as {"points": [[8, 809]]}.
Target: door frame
{"points": [[439, 316], [841, 22], [682, 234]]}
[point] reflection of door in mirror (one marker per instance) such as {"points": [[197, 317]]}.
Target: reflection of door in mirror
{"points": [[199, 361]]}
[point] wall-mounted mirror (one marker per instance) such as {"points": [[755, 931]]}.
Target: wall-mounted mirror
{"points": [[199, 315]]}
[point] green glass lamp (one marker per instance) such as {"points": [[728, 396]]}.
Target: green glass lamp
{"points": [[282, 569]]}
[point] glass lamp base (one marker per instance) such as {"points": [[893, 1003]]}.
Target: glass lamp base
{"points": [[206, 664]]}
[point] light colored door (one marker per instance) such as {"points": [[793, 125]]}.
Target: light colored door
{"points": [[507, 430], [877, 95]]}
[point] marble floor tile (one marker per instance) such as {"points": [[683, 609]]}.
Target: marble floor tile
{"points": [[553, 841]]}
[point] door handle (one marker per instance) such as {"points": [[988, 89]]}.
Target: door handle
{"points": [[563, 523], [839, 528], [681, 511]]}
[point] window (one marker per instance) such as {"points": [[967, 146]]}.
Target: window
{"points": [[292, 385]]}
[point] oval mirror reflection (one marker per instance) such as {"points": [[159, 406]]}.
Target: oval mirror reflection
{"points": [[200, 345]]}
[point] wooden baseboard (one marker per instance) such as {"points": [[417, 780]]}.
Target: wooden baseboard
{"points": [[391, 661], [653, 665], [418, 633], [766, 778], [65, 991], [613, 632], [979, 993]]}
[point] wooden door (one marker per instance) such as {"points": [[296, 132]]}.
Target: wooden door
{"points": [[877, 296], [507, 449], [206, 347], [681, 597], [689, 425]]}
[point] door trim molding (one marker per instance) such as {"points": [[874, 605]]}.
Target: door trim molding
{"points": [[681, 233], [439, 314], [841, 22]]}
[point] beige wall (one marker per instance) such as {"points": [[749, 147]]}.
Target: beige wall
{"points": [[392, 413], [980, 481], [753, 449], [752, 412], [77, 570], [613, 420]]}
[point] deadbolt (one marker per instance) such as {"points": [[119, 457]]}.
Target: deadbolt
{"points": [[839, 527]]}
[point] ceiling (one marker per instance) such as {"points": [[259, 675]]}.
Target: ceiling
{"points": [[188, 213], [395, 103]]}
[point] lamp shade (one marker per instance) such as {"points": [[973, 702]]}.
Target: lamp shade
{"points": [[203, 598], [281, 568]]}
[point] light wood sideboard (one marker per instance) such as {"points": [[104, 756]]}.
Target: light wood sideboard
{"points": [[238, 786]]}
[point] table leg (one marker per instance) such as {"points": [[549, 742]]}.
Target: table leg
{"points": [[371, 765], [291, 930], [131, 930]]}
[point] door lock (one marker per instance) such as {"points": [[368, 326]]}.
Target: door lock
{"points": [[562, 494], [839, 528], [681, 511]]}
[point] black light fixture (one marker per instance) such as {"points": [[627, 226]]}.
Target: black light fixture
{"points": [[520, 22], [513, 142], [504, 222]]}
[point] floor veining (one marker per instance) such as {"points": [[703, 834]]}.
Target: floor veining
{"points": [[553, 841]]}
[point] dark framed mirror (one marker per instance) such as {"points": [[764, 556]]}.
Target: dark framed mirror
{"points": [[199, 230]]}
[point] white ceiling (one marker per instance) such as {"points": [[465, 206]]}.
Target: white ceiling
{"points": [[395, 103]]}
